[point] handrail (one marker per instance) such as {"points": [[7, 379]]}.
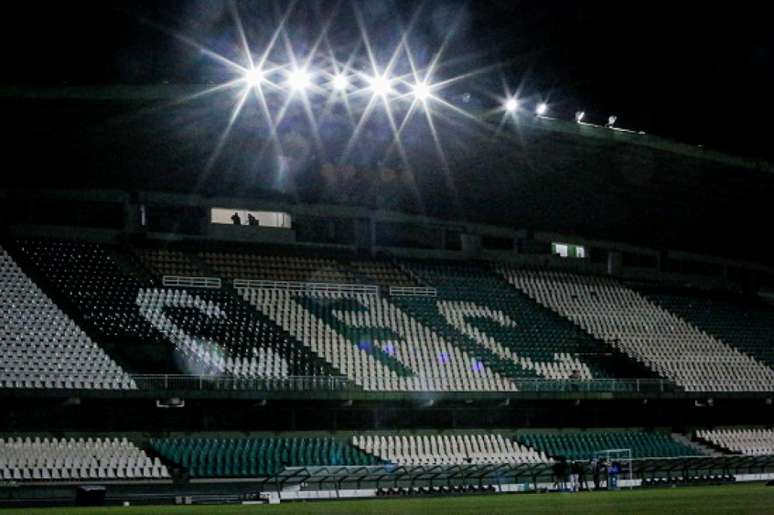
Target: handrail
{"points": [[368, 289], [192, 282], [413, 291], [341, 383], [225, 382], [185, 382]]}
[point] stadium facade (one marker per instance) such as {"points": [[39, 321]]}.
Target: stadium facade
{"points": [[324, 336]]}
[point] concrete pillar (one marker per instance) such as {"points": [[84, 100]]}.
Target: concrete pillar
{"points": [[614, 262]]}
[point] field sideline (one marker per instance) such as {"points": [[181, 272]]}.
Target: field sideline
{"points": [[731, 499]]}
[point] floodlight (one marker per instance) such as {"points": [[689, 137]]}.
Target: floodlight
{"points": [[579, 116], [421, 91], [253, 77], [340, 82], [380, 85], [611, 121], [542, 108], [511, 105], [299, 79]]}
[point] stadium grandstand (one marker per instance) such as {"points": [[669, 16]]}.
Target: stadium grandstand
{"points": [[386, 288]]}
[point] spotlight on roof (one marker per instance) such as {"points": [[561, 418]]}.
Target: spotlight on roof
{"points": [[299, 79], [541, 109], [421, 91], [380, 85], [579, 115], [611, 121], [511, 105], [253, 77], [340, 82]]}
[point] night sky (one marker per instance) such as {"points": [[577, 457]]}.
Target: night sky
{"points": [[698, 72]]}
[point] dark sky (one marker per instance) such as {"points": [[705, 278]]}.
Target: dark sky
{"points": [[699, 72]]}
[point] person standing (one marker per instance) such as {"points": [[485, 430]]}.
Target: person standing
{"points": [[595, 472], [583, 483], [576, 470]]}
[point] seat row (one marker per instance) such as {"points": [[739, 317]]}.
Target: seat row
{"points": [[745, 323], [41, 347], [588, 445], [651, 335], [375, 343], [250, 457], [456, 449], [24, 459], [751, 442]]}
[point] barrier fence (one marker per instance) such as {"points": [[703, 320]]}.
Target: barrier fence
{"points": [[306, 287], [342, 384], [191, 282]]}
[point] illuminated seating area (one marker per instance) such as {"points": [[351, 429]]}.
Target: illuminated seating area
{"points": [[455, 449], [251, 457], [205, 331], [375, 343], [70, 459], [41, 347], [747, 324], [747, 441], [474, 332], [509, 331], [648, 333], [587, 445]]}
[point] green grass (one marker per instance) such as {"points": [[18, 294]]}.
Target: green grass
{"points": [[731, 499]]}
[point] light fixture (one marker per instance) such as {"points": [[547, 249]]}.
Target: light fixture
{"points": [[421, 91], [253, 77], [579, 116], [611, 121], [299, 79], [340, 82], [511, 105], [380, 85], [542, 109]]}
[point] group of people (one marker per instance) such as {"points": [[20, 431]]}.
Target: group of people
{"points": [[251, 220], [572, 475]]}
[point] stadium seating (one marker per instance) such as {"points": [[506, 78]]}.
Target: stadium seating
{"points": [[510, 332], [477, 334], [382, 273], [751, 442], [169, 262], [375, 343], [447, 449], [277, 267], [210, 331], [587, 444], [246, 457], [297, 265], [648, 333], [41, 347], [744, 323], [36, 459]]}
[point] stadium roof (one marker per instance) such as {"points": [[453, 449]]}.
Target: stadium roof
{"points": [[534, 173]]}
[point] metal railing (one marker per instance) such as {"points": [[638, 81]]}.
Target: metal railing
{"points": [[307, 287], [420, 385], [218, 383], [191, 282], [413, 291], [343, 384]]}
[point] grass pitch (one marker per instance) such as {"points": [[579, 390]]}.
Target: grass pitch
{"points": [[730, 499]]}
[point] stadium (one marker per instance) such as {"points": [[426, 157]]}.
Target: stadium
{"points": [[341, 260]]}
